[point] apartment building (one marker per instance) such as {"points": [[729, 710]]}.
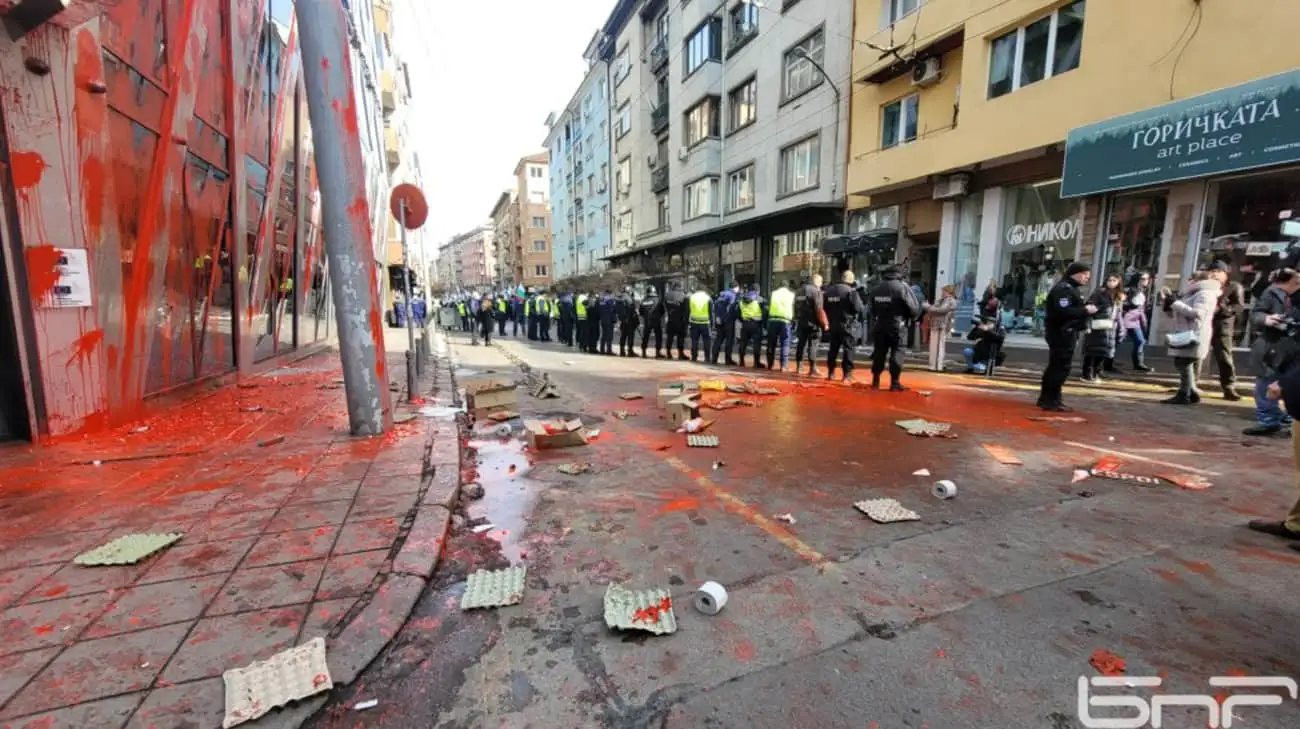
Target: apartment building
{"points": [[996, 142], [467, 262], [505, 222], [532, 234], [578, 140], [730, 133]]}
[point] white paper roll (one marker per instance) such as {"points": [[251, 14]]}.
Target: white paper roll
{"points": [[504, 430], [710, 598], [944, 490]]}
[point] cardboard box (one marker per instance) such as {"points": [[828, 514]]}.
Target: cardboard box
{"points": [[497, 397], [682, 409], [544, 434], [666, 396], [478, 383]]}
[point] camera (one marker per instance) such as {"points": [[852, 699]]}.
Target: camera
{"points": [[1285, 352]]}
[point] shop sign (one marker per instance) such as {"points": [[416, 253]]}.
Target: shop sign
{"points": [[1050, 232], [1256, 124]]}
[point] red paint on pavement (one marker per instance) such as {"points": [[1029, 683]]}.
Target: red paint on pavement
{"points": [[683, 503], [745, 651], [1107, 663], [1080, 558]]}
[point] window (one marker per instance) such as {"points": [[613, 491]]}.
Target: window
{"points": [[899, 9], [661, 204], [705, 44], [701, 198], [623, 124], [624, 231], [742, 105], [702, 121], [661, 28], [623, 176], [539, 246], [536, 172], [744, 24], [740, 189], [622, 66], [800, 74], [540, 271], [1043, 49], [799, 166], [898, 122], [539, 222]]}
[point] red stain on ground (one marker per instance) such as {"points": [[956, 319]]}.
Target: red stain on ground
{"points": [[55, 591], [1200, 568], [940, 654], [652, 613], [684, 503], [1268, 554], [1107, 663], [1169, 576], [42, 270], [44, 629], [745, 651], [85, 346], [27, 169], [1080, 558]]}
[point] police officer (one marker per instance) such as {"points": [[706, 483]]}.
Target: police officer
{"points": [[893, 306], [701, 315], [580, 319], [652, 315], [1065, 314], [725, 314], [565, 307], [750, 307], [502, 306], [608, 315], [544, 313], [486, 312], [843, 307], [462, 310], [779, 315], [811, 315], [629, 318], [675, 313], [554, 302]]}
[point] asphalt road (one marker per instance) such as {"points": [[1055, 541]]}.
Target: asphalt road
{"points": [[985, 613]]}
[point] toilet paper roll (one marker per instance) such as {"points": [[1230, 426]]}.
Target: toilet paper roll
{"points": [[710, 598], [504, 430], [944, 490]]}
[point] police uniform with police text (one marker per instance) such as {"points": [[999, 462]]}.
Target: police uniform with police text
{"points": [[810, 310], [1064, 315], [843, 307], [893, 306]]}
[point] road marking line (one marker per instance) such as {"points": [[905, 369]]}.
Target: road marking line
{"points": [[736, 504], [1136, 457]]}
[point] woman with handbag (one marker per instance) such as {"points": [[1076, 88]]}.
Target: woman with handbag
{"points": [[1099, 341], [1189, 342]]}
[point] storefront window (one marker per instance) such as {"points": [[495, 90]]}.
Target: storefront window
{"points": [[1039, 240], [740, 263], [1245, 232], [701, 266], [1137, 226], [797, 255], [969, 219]]}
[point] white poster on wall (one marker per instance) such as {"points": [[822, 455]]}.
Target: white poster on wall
{"points": [[73, 287]]}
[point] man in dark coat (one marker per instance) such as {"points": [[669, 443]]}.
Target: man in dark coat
{"points": [[893, 306], [843, 307], [1065, 314], [1231, 303]]}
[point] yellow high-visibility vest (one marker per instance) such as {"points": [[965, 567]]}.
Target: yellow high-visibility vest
{"points": [[501, 305], [782, 308], [555, 309], [581, 307], [700, 307], [751, 310]]}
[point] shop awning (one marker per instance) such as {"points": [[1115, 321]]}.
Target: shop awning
{"points": [[871, 241]]}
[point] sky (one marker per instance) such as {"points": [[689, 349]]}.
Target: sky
{"points": [[484, 76]]}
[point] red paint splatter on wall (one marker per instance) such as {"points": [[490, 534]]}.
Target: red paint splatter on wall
{"points": [[27, 169], [85, 346], [42, 270]]}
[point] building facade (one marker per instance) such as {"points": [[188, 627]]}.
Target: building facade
{"points": [[470, 260], [579, 173], [730, 128], [1177, 155], [400, 159], [160, 205], [505, 221], [532, 234]]}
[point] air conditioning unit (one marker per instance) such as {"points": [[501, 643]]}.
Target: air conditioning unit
{"points": [[926, 72], [683, 154], [652, 161], [952, 187]]}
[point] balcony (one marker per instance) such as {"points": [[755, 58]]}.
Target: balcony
{"points": [[659, 178], [740, 36], [658, 56], [392, 148], [659, 118], [388, 93], [577, 169]]}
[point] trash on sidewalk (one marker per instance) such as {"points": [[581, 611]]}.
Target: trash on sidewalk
{"points": [[1079, 475], [483, 528], [503, 430], [252, 409], [926, 429], [277, 440], [886, 511], [695, 425], [140, 429], [1189, 481], [710, 598], [712, 386], [650, 610], [702, 441], [718, 464], [787, 518], [494, 588], [621, 414], [1107, 663], [573, 469], [737, 389], [1002, 454], [493, 397], [1057, 419], [545, 390], [733, 402], [363, 705], [290, 675], [500, 416], [753, 388], [681, 410], [943, 490], [126, 549], [440, 411], [921, 472], [543, 434], [402, 418], [630, 396]]}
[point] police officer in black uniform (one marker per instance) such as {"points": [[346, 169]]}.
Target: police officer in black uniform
{"points": [[608, 315], [893, 306], [1065, 314], [629, 318], [843, 307], [809, 310], [652, 316], [674, 304]]}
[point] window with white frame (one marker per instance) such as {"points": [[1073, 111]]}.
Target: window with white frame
{"points": [[705, 44], [540, 271], [898, 121], [539, 246], [1045, 48], [623, 124], [539, 222], [742, 105], [623, 177], [702, 121], [622, 66], [700, 198], [536, 172], [799, 73], [661, 206], [740, 189], [800, 164], [899, 9]]}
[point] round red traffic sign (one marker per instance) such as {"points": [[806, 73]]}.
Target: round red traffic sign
{"points": [[410, 196]]}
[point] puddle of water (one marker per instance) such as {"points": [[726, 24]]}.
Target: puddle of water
{"points": [[509, 494]]}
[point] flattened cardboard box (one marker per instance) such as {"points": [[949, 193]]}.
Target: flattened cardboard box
{"points": [[543, 434], [496, 397], [480, 383]]}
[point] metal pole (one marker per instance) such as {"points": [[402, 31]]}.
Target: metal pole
{"points": [[345, 217], [410, 307]]}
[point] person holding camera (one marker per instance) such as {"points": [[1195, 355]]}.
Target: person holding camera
{"points": [[987, 336], [1193, 322], [1064, 315], [1272, 309]]}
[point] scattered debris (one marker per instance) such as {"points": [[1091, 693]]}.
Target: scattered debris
{"points": [[751, 387], [924, 393], [473, 491], [695, 425], [545, 390], [593, 434], [570, 362], [663, 447], [683, 409], [943, 490], [330, 386], [926, 429], [739, 389], [1189, 481], [650, 610], [921, 472], [140, 429], [712, 386], [501, 416], [1079, 475], [503, 430], [363, 705], [1057, 419], [96, 463], [718, 464], [1115, 475], [573, 469], [126, 549], [787, 518], [630, 396], [1002, 454], [1086, 494], [403, 418], [710, 598], [1107, 663], [440, 411], [277, 440], [252, 409], [543, 434], [483, 528], [494, 588], [247, 385], [733, 402], [702, 441], [289, 675], [886, 511], [621, 414]]}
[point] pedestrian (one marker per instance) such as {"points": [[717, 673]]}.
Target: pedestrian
{"points": [[1286, 388], [580, 320], [751, 324], [1231, 304], [472, 315], [531, 314], [779, 315], [701, 315], [517, 314], [725, 314], [1099, 341], [988, 336], [629, 318], [1065, 313], [608, 315], [486, 313], [502, 313], [812, 321], [842, 307], [462, 309], [1193, 324], [939, 316], [652, 314], [1269, 317], [893, 307], [674, 303], [913, 324], [1134, 319]]}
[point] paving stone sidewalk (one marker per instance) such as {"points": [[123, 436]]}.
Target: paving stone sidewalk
{"points": [[318, 534]]}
